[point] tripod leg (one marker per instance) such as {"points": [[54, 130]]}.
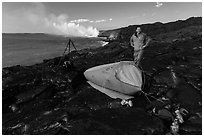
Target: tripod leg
{"points": [[73, 45], [69, 44]]}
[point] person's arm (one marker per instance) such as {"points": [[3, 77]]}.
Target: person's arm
{"points": [[147, 39], [131, 42]]}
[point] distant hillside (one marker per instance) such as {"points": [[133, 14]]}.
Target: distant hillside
{"points": [[191, 26]]}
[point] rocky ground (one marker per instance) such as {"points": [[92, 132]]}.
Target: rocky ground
{"points": [[53, 97]]}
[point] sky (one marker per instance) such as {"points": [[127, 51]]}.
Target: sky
{"points": [[87, 18]]}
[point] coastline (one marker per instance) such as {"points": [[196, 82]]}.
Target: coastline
{"points": [[29, 49]]}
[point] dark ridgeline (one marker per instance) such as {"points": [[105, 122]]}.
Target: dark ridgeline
{"points": [[154, 29], [53, 98]]}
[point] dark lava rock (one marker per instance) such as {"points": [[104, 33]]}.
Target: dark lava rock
{"points": [[120, 121], [53, 97]]}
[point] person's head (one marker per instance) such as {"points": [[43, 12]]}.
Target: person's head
{"points": [[138, 30]]}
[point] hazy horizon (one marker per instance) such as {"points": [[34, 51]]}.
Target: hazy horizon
{"points": [[88, 18]]}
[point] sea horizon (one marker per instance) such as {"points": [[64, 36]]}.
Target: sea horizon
{"points": [[32, 48]]}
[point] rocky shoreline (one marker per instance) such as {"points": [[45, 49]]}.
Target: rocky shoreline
{"points": [[53, 97]]}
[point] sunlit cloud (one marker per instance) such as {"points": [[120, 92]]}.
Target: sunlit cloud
{"points": [[98, 21], [103, 20], [90, 21], [34, 18], [158, 4], [80, 20], [61, 25]]}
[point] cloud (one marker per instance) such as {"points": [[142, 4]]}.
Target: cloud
{"points": [[80, 20], [158, 4], [90, 21], [103, 20], [99, 21], [32, 18], [61, 25]]}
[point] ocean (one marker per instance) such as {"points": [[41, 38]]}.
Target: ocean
{"points": [[28, 49]]}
